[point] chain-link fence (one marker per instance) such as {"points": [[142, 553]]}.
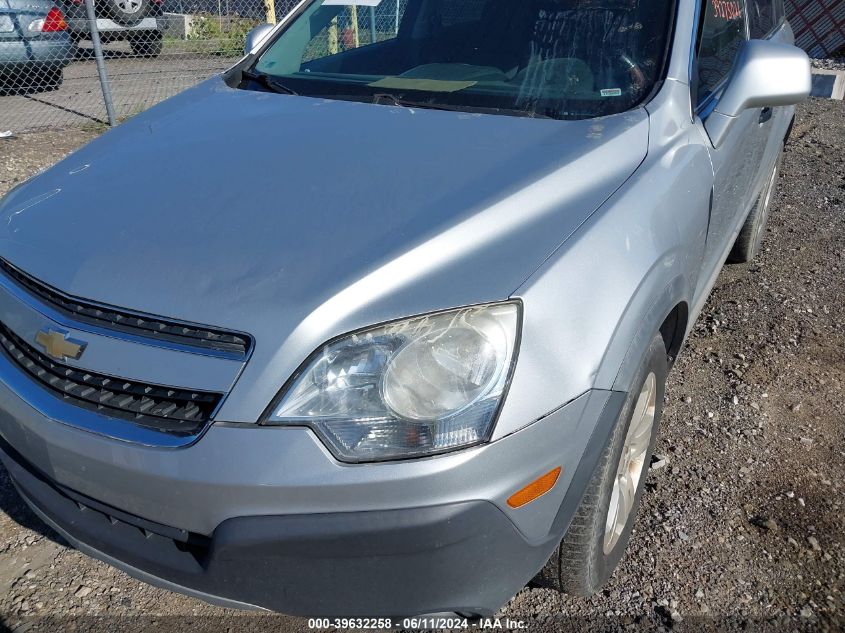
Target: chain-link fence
{"points": [[819, 25], [92, 62], [97, 62]]}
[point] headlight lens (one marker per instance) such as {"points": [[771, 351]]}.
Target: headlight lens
{"points": [[416, 387]]}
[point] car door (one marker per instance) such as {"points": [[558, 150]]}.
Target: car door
{"points": [[736, 162], [766, 22]]}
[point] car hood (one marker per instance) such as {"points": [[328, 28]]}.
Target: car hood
{"points": [[267, 213]]}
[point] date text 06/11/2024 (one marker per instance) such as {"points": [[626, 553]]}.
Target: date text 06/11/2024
{"points": [[417, 623]]}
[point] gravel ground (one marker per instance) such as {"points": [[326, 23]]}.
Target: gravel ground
{"points": [[837, 62], [742, 525]]}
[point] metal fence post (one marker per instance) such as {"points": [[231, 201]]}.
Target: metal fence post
{"points": [[333, 36], [101, 65], [270, 11], [353, 16]]}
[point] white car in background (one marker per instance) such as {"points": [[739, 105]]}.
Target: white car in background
{"points": [[140, 22]]}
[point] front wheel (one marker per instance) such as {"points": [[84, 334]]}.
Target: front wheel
{"points": [[596, 539], [53, 79]]}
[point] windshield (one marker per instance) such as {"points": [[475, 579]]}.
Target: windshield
{"points": [[567, 59]]}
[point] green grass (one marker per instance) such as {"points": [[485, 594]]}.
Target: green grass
{"points": [[212, 36]]}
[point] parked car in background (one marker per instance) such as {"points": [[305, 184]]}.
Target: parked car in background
{"points": [[35, 45], [139, 22], [386, 328]]}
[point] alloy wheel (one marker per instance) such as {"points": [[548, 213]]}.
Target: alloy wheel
{"points": [[129, 6], [631, 464]]}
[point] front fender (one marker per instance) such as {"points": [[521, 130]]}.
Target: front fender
{"points": [[593, 307]]}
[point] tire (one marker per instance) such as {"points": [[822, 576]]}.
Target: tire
{"points": [[146, 43], [54, 79], [128, 12], [586, 557], [750, 238], [42, 78]]}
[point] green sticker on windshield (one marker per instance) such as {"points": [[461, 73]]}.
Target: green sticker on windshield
{"points": [[611, 92]]}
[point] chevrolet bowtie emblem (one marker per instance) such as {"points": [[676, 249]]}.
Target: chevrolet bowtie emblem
{"points": [[57, 344]]}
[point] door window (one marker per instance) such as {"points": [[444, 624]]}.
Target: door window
{"points": [[779, 11], [722, 33], [763, 17]]}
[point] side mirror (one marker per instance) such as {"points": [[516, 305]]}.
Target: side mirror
{"points": [[765, 74], [255, 36]]}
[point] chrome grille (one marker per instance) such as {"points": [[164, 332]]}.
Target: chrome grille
{"points": [[167, 409], [153, 327]]}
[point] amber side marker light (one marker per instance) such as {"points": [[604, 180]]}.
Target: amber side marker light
{"points": [[536, 488]]}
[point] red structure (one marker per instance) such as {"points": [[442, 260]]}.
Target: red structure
{"points": [[819, 25]]}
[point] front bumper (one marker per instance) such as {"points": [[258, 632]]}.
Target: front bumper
{"points": [[80, 26], [461, 557], [45, 51], [265, 517], [76, 17]]}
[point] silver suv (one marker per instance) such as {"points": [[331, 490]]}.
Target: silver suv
{"points": [[389, 335]]}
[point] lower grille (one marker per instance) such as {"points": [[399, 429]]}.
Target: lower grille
{"points": [[179, 548], [166, 409]]}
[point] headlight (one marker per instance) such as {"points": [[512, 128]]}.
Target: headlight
{"points": [[415, 387]]}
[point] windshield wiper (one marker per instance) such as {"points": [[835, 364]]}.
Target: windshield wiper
{"points": [[382, 97], [270, 82], [392, 99]]}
